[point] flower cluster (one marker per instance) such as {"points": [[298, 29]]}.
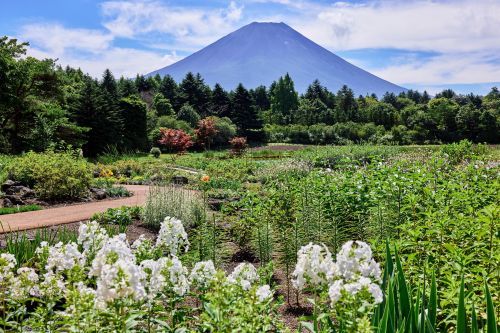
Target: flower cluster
{"points": [[353, 272], [172, 236], [103, 274], [202, 274], [62, 257], [244, 274], [315, 266]]}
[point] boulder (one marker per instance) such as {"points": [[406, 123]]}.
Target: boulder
{"points": [[13, 199], [8, 184], [98, 193], [6, 203], [19, 190], [180, 180]]}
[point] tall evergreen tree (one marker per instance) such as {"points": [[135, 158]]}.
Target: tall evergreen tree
{"points": [[346, 108], [170, 90], [284, 100], [245, 116], [133, 111], [126, 87], [109, 83], [261, 98], [220, 104]]}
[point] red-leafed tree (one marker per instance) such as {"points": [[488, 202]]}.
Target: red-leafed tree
{"points": [[174, 140], [206, 132], [238, 145]]}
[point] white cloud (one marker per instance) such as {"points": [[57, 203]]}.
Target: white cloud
{"points": [[91, 50], [57, 39], [187, 26], [444, 69], [448, 26]]}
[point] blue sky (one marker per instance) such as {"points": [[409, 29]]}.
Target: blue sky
{"points": [[420, 44]]}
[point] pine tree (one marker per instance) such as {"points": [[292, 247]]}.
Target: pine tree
{"points": [[284, 100], [220, 104], [170, 90], [245, 116], [133, 111]]}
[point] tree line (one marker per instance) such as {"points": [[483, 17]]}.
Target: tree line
{"points": [[46, 106]]}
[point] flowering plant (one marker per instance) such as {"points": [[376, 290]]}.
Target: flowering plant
{"points": [[346, 291]]}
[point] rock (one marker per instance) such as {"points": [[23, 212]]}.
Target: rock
{"points": [[19, 190], [7, 203], [98, 193], [215, 204], [14, 199], [8, 184], [180, 180]]}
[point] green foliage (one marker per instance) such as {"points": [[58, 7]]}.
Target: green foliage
{"points": [[53, 176], [188, 114], [155, 152], [19, 209], [168, 200], [23, 245], [121, 217]]}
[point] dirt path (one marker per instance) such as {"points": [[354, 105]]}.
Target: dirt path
{"points": [[69, 214]]}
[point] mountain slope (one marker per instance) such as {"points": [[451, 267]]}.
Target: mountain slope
{"points": [[260, 53]]}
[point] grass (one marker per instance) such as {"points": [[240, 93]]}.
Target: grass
{"points": [[23, 244], [19, 209]]}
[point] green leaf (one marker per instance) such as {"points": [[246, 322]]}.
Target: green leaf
{"points": [[383, 325], [432, 308], [490, 312], [308, 325], [474, 327], [404, 298], [461, 316]]}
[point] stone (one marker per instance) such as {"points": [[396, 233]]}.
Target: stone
{"points": [[22, 191], [98, 193], [180, 180], [14, 199], [8, 184]]}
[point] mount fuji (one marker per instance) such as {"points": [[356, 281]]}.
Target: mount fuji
{"points": [[259, 53]]}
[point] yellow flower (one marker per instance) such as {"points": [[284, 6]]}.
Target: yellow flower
{"points": [[205, 178], [106, 173]]}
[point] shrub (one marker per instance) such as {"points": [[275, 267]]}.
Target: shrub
{"points": [[206, 132], [225, 131], [176, 141], [171, 201], [188, 114], [238, 145], [53, 176], [122, 216], [155, 151]]}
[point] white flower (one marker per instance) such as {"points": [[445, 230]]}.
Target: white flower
{"points": [[172, 236], [52, 286], [83, 289], [120, 279], [91, 237], [245, 274], [314, 266], [7, 264], [263, 293], [376, 292], [25, 284], [354, 259], [169, 275], [114, 249], [202, 274], [335, 291], [63, 257]]}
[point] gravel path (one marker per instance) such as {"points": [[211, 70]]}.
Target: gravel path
{"points": [[69, 214]]}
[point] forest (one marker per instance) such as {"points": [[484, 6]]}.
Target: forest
{"points": [[43, 105]]}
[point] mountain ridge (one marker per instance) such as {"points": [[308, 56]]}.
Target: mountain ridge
{"points": [[259, 53]]}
